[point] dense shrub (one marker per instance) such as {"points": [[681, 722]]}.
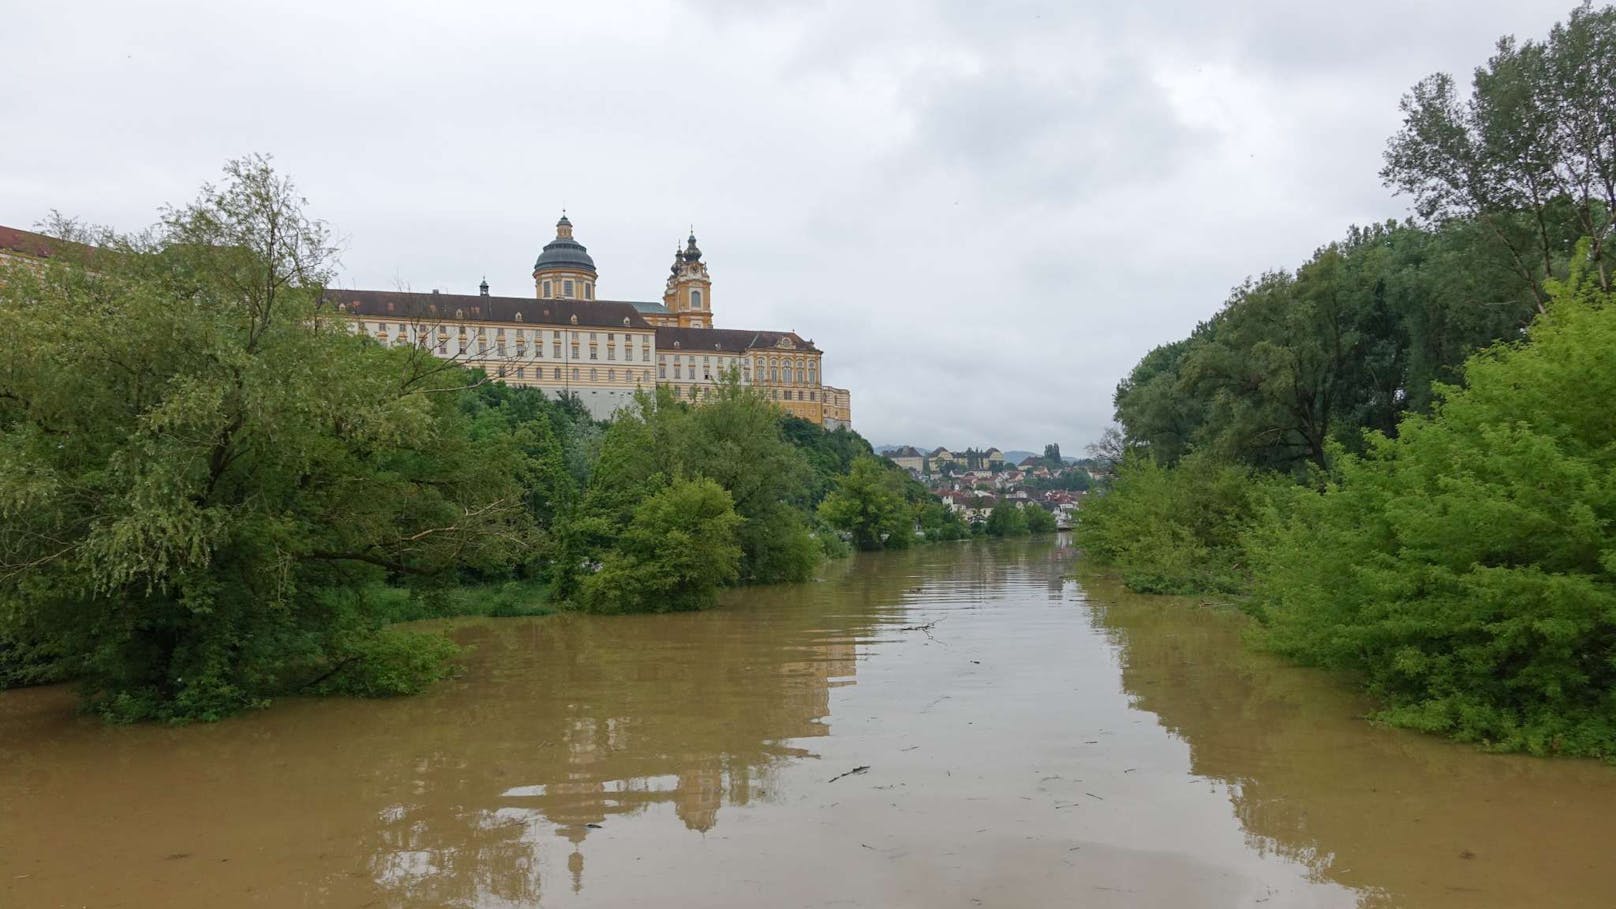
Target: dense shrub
{"points": [[1175, 530], [1467, 569], [680, 547]]}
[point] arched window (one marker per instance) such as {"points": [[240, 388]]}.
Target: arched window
{"points": [[695, 299]]}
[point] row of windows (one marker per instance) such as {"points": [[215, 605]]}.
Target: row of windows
{"points": [[772, 369], [577, 374], [569, 289], [521, 336], [806, 373]]}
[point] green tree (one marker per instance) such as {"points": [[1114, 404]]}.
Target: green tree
{"points": [[1528, 154], [1176, 529], [1006, 520], [1467, 568], [679, 548], [869, 505], [736, 438], [1039, 519], [204, 470]]}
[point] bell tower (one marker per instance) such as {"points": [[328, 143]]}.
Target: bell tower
{"points": [[689, 292]]}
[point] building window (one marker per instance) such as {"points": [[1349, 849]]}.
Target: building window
{"points": [[566, 288], [811, 396], [547, 289], [774, 373], [662, 370], [521, 373], [788, 375], [813, 374], [589, 291], [594, 376], [558, 373], [695, 299], [575, 374]]}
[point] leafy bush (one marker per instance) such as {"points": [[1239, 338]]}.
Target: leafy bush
{"points": [[1176, 530], [1007, 519], [679, 548], [388, 663], [869, 505], [1467, 569], [1039, 519]]}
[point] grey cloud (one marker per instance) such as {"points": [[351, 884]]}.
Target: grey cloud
{"points": [[1052, 137], [983, 212]]}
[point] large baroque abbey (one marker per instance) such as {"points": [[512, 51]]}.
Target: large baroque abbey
{"points": [[565, 340]]}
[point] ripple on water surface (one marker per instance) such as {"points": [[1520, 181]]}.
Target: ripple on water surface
{"points": [[951, 726]]}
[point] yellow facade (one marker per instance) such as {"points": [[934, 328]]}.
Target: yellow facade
{"points": [[838, 408]]}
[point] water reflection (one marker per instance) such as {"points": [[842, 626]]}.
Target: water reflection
{"points": [[1402, 818]]}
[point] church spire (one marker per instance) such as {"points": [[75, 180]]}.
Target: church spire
{"points": [[688, 294]]}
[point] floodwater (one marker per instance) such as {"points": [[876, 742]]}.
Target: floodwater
{"points": [[1027, 743]]}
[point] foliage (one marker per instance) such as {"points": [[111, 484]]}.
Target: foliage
{"points": [[1467, 568], [1297, 363], [680, 546], [1007, 519], [1039, 519], [1176, 530], [869, 505], [388, 663], [455, 597], [941, 524], [830, 453], [196, 462], [1528, 155]]}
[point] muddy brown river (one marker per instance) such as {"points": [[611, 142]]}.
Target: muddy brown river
{"points": [[953, 726]]}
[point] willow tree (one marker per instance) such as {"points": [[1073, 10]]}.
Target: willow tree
{"points": [[202, 470]]}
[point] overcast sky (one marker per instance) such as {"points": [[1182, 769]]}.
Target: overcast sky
{"points": [[984, 212]]}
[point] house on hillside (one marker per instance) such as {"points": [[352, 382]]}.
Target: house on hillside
{"points": [[909, 458]]}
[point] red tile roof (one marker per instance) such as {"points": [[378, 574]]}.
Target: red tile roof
{"points": [[28, 243]]}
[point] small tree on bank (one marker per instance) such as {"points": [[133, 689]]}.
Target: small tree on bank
{"points": [[869, 505]]}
